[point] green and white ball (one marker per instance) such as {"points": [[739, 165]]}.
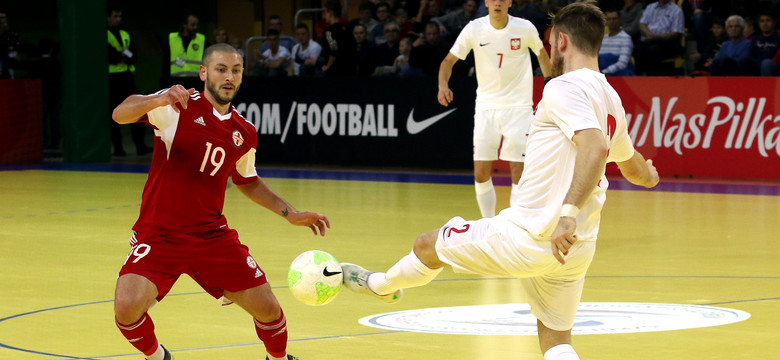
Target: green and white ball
{"points": [[315, 277]]}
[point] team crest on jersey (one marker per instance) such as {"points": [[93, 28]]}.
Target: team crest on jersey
{"points": [[250, 261], [515, 44], [238, 139]]}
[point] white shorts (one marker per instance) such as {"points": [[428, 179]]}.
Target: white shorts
{"points": [[497, 247], [493, 125]]}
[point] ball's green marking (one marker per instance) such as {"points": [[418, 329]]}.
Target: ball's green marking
{"points": [[325, 292], [293, 276]]}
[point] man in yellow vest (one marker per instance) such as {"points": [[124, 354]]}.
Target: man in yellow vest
{"points": [[186, 48], [121, 65]]}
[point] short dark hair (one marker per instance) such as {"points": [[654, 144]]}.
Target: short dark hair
{"points": [[272, 32], [302, 26], [111, 8], [221, 47], [333, 6], [584, 22]]}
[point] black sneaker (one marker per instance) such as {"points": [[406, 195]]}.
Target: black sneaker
{"points": [[289, 357]]}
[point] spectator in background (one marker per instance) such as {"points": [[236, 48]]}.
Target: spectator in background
{"points": [[763, 46], [9, 47], [304, 54], [702, 61], [383, 56], [749, 30], [274, 62], [235, 42], [528, 10], [771, 68], [338, 44], [401, 63], [365, 18], [453, 22], [275, 23], [427, 52], [405, 24], [185, 48], [662, 25], [363, 50], [383, 15], [616, 49], [630, 15], [121, 83], [220, 36], [733, 50]]}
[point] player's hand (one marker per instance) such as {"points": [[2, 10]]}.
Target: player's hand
{"points": [[177, 94], [654, 179], [316, 222], [563, 237], [445, 96]]}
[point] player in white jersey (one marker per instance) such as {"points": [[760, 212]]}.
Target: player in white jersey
{"points": [[547, 238], [504, 105]]}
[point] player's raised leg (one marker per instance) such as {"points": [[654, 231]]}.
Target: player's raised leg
{"points": [[555, 345], [269, 319], [483, 186], [134, 296], [418, 268]]}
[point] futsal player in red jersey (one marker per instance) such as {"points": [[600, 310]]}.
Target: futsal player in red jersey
{"points": [[200, 141]]}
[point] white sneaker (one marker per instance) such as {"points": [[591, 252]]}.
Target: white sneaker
{"points": [[356, 279]]}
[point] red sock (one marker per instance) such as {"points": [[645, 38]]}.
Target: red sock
{"points": [[273, 335], [140, 334]]}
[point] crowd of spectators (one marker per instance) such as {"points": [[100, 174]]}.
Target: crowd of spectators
{"points": [[661, 37]]}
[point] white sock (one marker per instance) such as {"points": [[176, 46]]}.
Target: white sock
{"points": [[515, 194], [276, 358], [159, 354], [407, 272], [486, 198], [561, 352]]}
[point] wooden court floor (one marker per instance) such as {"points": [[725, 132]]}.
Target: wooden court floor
{"points": [[63, 237]]}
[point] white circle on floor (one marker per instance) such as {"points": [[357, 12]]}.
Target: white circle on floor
{"points": [[592, 318]]}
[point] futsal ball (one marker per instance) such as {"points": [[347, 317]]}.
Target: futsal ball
{"points": [[315, 277]]}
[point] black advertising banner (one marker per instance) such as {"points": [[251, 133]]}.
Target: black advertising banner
{"points": [[374, 122]]}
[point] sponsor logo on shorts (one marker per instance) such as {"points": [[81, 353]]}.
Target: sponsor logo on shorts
{"points": [[592, 318], [250, 261]]}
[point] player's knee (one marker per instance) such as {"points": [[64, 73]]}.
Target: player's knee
{"points": [[128, 309], [425, 249]]}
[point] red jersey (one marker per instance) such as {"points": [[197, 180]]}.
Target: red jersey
{"points": [[195, 151]]}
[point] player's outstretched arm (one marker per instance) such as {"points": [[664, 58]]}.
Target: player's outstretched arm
{"points": [[136, 106], [544, 63], [639, 171], [261, 194], [445, 72]]}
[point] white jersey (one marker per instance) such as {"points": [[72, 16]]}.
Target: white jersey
{"points": [[577, 100], [502, 60]]}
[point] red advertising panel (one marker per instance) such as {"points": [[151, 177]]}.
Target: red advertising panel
{"points": [[707, 126]]}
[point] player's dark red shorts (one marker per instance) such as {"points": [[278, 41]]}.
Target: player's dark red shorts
{"points": [[215, 259]]}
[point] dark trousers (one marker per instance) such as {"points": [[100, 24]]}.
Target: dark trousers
{"points": [[651, 54], [121, 86]]}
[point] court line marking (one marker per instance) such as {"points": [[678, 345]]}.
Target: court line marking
{"points": [[704, 186], [71, 357]]}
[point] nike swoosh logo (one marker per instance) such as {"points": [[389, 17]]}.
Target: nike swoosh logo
{"points": [[481, 44], [414, 127], [328, 273]]}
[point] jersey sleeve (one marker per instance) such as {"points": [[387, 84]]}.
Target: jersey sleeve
{"points": [[534, 41], [245, 171], [162, 117], [569, 108], [621, 148], [463, 44]]}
